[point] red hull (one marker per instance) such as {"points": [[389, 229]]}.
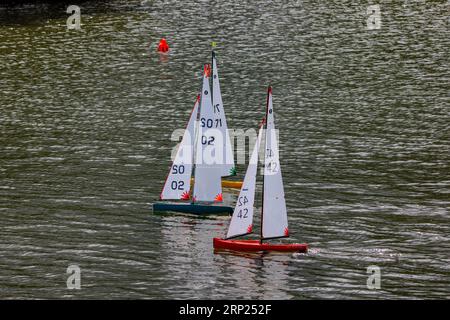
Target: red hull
{"points": [[255, 245]]}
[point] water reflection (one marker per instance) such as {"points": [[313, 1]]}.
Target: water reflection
{"points": [[255, 275]]}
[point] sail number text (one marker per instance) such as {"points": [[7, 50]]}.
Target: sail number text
{"points": [[175, 184], [208, 140], [209, 123], [243, 213]]}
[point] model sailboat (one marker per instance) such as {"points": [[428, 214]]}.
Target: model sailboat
{"points": [[227, 163], [196, 155], [274, 223]]}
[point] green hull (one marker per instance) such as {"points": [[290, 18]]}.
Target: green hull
{"points": [[200, 209]]}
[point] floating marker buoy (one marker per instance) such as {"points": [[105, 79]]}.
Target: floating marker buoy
{"points": [[163, 46]]}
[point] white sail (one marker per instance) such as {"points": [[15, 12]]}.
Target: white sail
{"points": [[242, 220], [208, 184], [274, 214], [177, 185], [228, 157]]}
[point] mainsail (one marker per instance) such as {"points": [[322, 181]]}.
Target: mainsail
{"points": [[242, 220], [274, 215], [207, 186], [227, 150], [177, 185]]}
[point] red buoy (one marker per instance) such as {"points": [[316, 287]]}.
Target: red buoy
{"points": [[163, 46]]}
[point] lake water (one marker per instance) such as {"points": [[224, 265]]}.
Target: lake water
{"points": [[85, 125]]}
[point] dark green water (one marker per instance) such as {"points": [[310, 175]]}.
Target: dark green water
{"points": [[85, 125]]}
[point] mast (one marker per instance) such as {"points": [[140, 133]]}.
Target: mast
{"points": [[213, 54], [269, 91]]}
